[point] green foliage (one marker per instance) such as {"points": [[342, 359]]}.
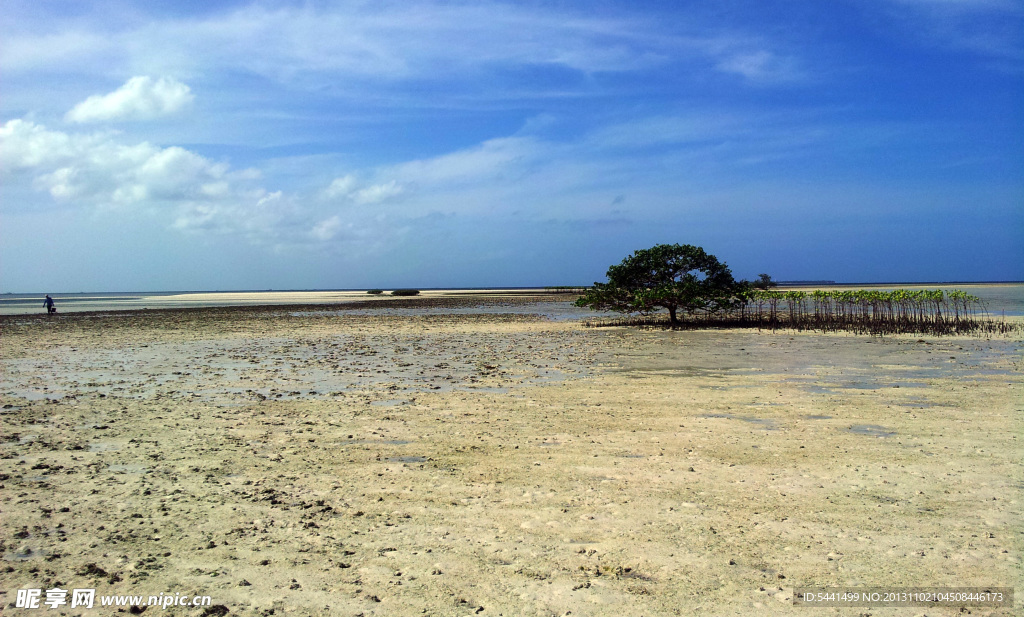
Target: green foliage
{"points": [[764, 281], [670, 276], [921, 311], [900, 310], [405, 292], [375, 292]]}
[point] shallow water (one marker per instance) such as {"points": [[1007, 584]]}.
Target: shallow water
{"points": [[871, 430], [407, 459], [558, 310], [1000, 299], [765, 423]]}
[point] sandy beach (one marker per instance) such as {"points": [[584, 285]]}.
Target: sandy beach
{"points": [[307, 461]]}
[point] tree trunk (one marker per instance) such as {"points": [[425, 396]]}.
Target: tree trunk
{"points": [[672, 316]]}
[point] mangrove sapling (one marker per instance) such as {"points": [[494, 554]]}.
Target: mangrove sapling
{"points": [[865, 311]]}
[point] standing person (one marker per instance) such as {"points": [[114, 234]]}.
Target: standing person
{"points": [[48, 303]]}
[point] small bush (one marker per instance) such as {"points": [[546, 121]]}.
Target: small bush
{"points": [[375, 292], [405, 292]]}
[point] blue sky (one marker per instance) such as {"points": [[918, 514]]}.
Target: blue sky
{"points": [[255, 145]]}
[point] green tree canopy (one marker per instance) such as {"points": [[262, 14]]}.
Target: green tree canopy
{"points": [[671, 276], [764, 281]]}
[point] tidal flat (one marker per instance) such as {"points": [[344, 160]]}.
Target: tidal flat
{"points": [[311, 461]]}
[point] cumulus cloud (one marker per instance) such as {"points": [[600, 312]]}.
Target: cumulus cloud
{"points": [[378, 193], [522, 176], [348, 187], [140, 98], [189, 191], [341, 187], [27, 145], [96, 169]]}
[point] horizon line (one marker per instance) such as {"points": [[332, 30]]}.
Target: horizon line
{"points": [[790, 283]]}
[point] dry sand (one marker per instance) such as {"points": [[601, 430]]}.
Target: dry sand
{"points": [[326, 462]]}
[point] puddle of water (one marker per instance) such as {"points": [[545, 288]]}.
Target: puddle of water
{"points": [[408, 459], [677, 371], [101, 446], [871, 430], [834, 387], [874, 385], [128, 468], [32, 395], [632, 456], [767, 423], [24, 554]]}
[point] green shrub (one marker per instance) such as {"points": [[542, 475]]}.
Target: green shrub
{"points": [[405, 292], [376, 292]]}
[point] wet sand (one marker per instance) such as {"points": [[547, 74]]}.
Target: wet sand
{"points": [[28, 304], [289, 460]]}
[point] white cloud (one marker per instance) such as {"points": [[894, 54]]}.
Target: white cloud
{"points": [[140, 98], [188, 191], [491, 159], [260, 217], [521, 176], [327, 229], [378, 193], [96, 169], [372, 40], [341, 187], [759, 66], [191, 193], [27, 145], [397, 40], [384, 43], [347, 187], [20, 51]]}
